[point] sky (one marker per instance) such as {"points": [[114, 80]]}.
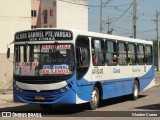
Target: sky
{"points": [[146, 14]]}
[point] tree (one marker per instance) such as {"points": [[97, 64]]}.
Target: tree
{"points": [[155, 44]]}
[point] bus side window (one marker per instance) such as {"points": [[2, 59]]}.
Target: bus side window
{"points": [[148, 54], [140, 54], [82, 56], [94, 58], [85, 54], [78, 57], [98, 52], [131, 53], [111, 55], [122, 49]]}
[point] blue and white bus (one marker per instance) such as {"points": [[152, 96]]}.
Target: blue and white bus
{"points": [[59, 66]]}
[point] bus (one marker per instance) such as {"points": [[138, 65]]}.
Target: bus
{"points": [[60, 66]]}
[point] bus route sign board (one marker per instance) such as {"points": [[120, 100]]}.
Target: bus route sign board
{"points": [[43, 35]]}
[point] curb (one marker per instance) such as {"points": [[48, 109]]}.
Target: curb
{"points": [[6, 97], [3, 101], [4, 92]]}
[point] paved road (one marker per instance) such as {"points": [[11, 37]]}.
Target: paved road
{"points": [[149, 101]]}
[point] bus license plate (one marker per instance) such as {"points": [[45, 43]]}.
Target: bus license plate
{"points": [[39, 98]]}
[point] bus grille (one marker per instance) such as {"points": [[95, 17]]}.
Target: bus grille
{"points": [[44, 96]]}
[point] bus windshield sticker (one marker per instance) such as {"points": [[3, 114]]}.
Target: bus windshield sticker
{"points": [[27, 64], [26, 68], [27, 71], [50, 48], [43, 35], [55, 69], [56, 47]]}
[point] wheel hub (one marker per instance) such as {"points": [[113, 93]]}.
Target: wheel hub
{"points": [[94, 97]]}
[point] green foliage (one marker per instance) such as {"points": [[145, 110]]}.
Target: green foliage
{"points": [[155, 46]]}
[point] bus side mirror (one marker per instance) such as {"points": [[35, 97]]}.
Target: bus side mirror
{"points": [[8, 53]]}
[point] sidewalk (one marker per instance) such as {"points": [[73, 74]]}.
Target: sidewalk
{"points": [[157, 79], [5, 97]]}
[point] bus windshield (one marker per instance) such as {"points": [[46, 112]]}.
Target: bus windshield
{"points": [[44, 60]]}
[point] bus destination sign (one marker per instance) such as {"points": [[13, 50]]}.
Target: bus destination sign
{"points": [[43, 35]]}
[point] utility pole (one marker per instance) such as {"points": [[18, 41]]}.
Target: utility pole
{"points": [[108, 25], [101, 22], [157, 22], [134, 18]]}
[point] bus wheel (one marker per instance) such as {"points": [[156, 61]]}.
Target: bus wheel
{"points": [[135, 92], [94, 98], [46, 106]]}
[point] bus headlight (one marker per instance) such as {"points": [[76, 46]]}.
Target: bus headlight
{"points": [[62, 90], [65, 89], [17, 88]]}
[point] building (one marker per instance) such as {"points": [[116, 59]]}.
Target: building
{"points": [[71, 14], [14, 16]]}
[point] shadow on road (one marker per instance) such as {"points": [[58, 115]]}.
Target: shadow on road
{"points": [[65, 110], [56, 109], [150, 107], [118, 100]]}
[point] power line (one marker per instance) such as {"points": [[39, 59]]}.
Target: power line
{"points": [[141, 32], [140, 1], [107, 2], [147, 31], [115, 6], [137, 31], [123, 13], [123, 4], [78, 3], [145, 20], [87, 5], [121, 28], [99, 6]]}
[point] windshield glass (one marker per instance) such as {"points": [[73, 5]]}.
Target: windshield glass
{"points": [[44, 60]]}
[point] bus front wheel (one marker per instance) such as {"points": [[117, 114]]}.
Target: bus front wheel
{"points": [[135, 92], [94, 98]]}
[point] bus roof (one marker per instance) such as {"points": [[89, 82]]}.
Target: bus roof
{"points": [[95, 34], [112, 37]]}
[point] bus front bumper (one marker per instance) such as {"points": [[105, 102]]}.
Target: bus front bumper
{"points": [[60, 96]]}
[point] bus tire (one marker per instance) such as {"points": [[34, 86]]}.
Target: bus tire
{"points": [[94, 103], [45, 106], [135, 90]]}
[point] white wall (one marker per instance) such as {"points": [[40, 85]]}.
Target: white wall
{"points": [[15, 15], [71, 15]]}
